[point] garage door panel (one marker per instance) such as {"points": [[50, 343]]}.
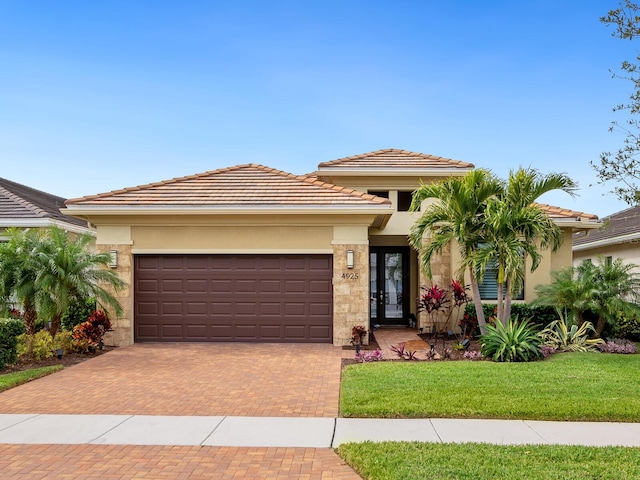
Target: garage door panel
{"points": [[258, 298]]}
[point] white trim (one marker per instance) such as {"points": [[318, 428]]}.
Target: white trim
{"points": [[221, 210], [630, 238], [229, 251], [44, 223]]}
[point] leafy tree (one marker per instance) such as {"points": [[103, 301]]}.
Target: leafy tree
{"points": [[623, 166], [70, 272], [457, 217], [517, 229], [603, 291]]}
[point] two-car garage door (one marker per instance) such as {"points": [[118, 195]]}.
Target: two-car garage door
{"points": [[233, 298]]}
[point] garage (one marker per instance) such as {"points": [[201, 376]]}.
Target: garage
{"points": [[233, 298]]}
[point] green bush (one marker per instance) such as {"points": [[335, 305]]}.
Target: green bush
{"points": [[39, 345], [627, 327], [10, 329], [514, 342], [538, 316], [77, 313]]}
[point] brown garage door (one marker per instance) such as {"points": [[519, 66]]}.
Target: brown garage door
{"points": [[233, 298]]}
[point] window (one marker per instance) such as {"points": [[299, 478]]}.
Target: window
{"points": [[404, 200], [489, 286], [608, 261]]}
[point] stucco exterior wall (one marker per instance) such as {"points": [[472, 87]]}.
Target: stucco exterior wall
{"points": [[629, 253]]}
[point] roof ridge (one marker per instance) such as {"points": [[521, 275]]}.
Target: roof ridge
{"points": [[393, 150]]}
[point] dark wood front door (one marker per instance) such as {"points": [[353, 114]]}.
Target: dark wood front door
{"points": [[389, 285]]}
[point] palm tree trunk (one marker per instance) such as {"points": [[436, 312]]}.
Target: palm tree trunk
{"points": [[55, 325], [477, 302], [500, 302], [30, 316], [507, 304], [602, 322]]}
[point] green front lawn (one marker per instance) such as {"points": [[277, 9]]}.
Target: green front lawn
{"points": [[413, 460], [10, 380], [568, 386]]}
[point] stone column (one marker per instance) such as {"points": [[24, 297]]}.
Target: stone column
{"points": [[122, 326], [350, 291], [440, 275]]}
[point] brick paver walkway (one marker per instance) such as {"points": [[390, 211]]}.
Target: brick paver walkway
{"points": [[118, 462], [289, 380]]}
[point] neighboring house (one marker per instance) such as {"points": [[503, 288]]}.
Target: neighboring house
{"points": [[619, 237], [25, 207], [250, 253]]}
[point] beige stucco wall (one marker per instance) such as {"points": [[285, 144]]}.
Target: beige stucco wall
{"points": [[629, 252]]}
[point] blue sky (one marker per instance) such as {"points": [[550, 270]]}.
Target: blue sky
{"points": [[96, 96]]}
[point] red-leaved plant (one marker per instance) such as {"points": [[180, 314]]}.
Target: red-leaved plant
{"points": [[93, 330]]}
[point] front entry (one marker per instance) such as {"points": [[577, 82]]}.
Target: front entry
{"points": [[389, 285]]}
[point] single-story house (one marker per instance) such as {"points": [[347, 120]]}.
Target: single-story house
{"points": [[618, 238], [253, 254], [26, 207]]}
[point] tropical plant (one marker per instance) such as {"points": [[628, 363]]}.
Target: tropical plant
{"points": [[572, 338], [370, 356], [458, 217], [78, 312], [18, 273], [603, 290], [93, 330], [514, 342], [70, 272], [517, 229]]}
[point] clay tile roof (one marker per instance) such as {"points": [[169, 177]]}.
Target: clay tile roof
{"points": [[249, 185], [21, 202], [619, 225], [395, 159], [564, 213]]}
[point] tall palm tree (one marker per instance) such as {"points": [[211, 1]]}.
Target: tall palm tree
{"points": [[517, 229], [18, 272], [458, 216], [70, 272]]}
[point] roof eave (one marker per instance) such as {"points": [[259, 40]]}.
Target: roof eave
{"points": [[630, 238], [43, 223], [389, 172]]}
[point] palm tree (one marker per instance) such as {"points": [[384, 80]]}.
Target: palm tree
{"points": [[458, 216], [70, 272], [604, 291], [18, 272], [517, 229]]}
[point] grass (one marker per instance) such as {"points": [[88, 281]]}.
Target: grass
{"points": [[568, 386], [413, 460], [10, 380]]}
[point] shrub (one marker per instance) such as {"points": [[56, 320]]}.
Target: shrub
{"points": [[39, 345], [370, 356], [628, 327], [10, 329], [547, 351], [538, 316], [403, 353], [514, 342], [78, 312], [92, 331], [618, 345], [565, 339]]}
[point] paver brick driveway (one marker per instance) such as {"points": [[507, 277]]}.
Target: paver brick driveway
{"points": [[292, 380]]}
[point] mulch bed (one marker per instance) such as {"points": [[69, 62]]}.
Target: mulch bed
{"points": [[67, 360]]}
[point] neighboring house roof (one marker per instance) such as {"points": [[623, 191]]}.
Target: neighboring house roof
{"points": [[242, 188], [618, 228], [394, 162], [22, 206]]}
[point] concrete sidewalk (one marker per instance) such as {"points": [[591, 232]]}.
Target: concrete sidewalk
{"points": [[233, 431]]}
